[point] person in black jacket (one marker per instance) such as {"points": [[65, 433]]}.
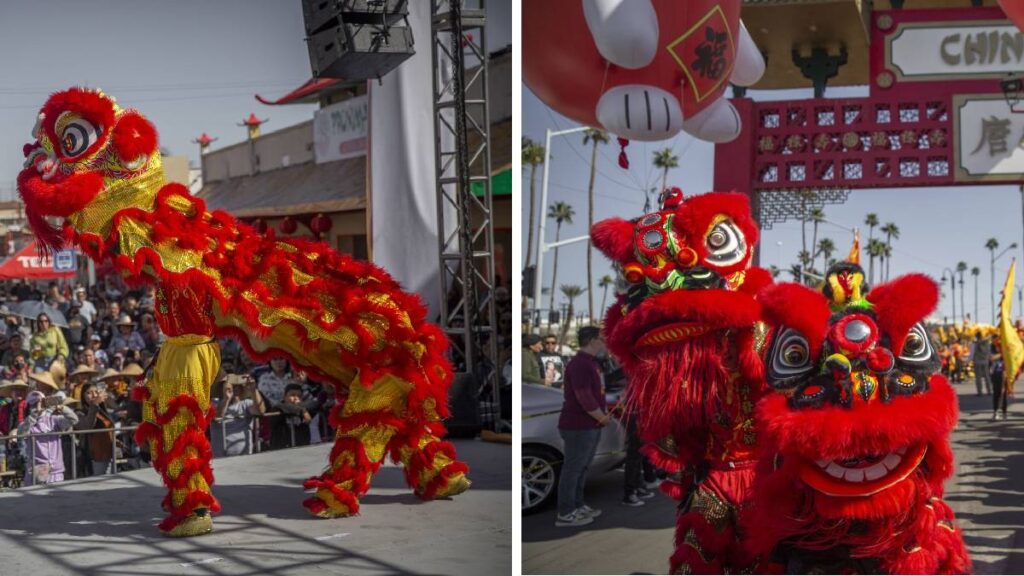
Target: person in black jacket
{"points": [[291, 428]]}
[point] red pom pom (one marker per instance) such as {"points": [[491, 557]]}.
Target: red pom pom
{"points": [[133, 137]]}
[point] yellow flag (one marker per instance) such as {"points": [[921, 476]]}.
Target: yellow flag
{"points": [[1013, 348], [854, 255]]}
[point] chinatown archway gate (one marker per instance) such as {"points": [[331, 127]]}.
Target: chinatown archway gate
{"points": [[942, 111]]}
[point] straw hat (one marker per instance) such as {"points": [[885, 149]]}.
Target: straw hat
{"points": [[133, 370], [7, 387], [109, 374], [44, 378], [125, 320], [82, 369]]}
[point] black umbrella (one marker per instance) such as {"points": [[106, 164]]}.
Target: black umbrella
{"points": [[31, 309]]}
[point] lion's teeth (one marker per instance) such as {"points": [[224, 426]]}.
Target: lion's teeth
{"points": [[892, 461], [875, 472], [822, 463], [854, 475], [835, 470]]}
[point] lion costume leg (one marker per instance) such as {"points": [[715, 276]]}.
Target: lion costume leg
{"points": [[372, 423], [176, 414], [431, 469]]}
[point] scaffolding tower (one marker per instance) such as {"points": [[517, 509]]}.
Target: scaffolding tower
{"points": [[465, 219]]}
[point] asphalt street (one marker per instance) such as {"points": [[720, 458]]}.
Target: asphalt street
{"points": [[987, 493], [107, 525]]}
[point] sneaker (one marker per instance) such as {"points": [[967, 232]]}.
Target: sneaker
{"points": [[573, 518], [588, 511], [644, 494], [653, 485], [632, 500]]}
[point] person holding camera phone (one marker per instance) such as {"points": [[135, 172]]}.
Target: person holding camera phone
{"points": [[45, 453], [240, 404], [98, 447]]}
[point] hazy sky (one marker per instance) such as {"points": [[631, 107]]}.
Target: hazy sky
{"points": [[189, 65], [939, 226]]}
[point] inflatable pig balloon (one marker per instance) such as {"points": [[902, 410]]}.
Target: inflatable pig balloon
{"points": [[640, 69]]}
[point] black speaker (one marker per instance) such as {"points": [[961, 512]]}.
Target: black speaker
{"points": [[356, 39]]}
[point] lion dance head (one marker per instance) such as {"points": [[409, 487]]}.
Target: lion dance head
{"points": [[855, 447], [689, 285], [84, 147]]}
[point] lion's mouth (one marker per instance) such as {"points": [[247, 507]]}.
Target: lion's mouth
{"points": [[862, 475], [43, 161]]}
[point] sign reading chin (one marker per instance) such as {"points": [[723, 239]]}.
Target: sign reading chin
{"points": [[923, 51]]}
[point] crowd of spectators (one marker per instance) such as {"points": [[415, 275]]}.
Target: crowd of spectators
{"points": [[71, 366]]}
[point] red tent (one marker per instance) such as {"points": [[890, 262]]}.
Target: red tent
{"points": [[27, 264]]}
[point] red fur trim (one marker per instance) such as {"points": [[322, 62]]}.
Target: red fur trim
{"points": [[133, 136], [193, 500], [140, 393], [902, 303], [614, 238], [180, 402], [799, 308], [756, 279], [661, 459]]}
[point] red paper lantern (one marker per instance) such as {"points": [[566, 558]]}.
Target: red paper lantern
{"points": [[321, 224], [289, 225], [260, 225]]}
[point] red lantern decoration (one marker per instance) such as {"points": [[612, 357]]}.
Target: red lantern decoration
{"points": [[1015, 10], [260, 225], [289, 225], [321, 224]]}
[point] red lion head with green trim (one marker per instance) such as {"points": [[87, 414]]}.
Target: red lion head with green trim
{"points": [[83, 141], [855, 447]]}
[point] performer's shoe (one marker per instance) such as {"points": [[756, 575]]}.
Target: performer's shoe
{"points": [[325, 505], [197, 523], [456, 485]]}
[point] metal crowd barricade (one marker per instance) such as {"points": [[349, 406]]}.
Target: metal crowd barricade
{"points": [[29, 453]]}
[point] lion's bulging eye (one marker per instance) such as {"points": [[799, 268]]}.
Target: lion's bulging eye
{"points": [[791, 355], [78, 135], [726, 245], [916, 347]]}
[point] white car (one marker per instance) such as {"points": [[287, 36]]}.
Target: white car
{"points": [[543, 448]]}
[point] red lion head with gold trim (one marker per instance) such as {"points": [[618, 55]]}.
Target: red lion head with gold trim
{"points": [[83, 143], [855, 447], [689, 283]]}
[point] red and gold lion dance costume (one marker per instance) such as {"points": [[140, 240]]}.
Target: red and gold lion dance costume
{"points": [[855, 448], [97, 167], [685, 333]]}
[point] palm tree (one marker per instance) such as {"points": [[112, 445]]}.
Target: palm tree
{"points": [[961, 267], [876, 249], [804, 259], [992, 244], [891, 231], [571, 292], [796, 272], [665, 160], [560, 212], [826, 247], [976, 272], [533, 156], [774, 270], [605, 282], [870, 221], [593, 137], [817, 217]]}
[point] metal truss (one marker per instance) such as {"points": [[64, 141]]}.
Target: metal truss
{"points": [[463, 161]]}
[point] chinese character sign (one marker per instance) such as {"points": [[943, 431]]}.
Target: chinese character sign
{"points": [[990, 139]]}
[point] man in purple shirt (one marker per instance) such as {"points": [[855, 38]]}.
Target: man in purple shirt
{"points": [[583, 416]]}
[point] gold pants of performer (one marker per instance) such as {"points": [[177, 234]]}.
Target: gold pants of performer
{"points": [[176, 415]]}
